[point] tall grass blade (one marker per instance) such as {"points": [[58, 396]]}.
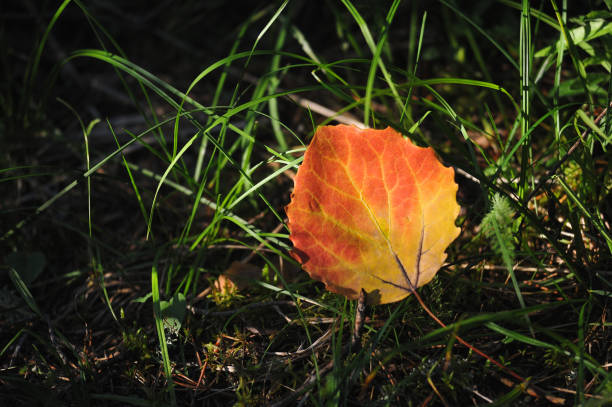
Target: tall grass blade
{"points": [[375, 62], [24, 291], [558, 67], [161, 334], [367, 35], [30, 75], [525, 71]]}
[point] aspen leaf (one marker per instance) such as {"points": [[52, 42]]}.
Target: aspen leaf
{"points": [[371, 210]]}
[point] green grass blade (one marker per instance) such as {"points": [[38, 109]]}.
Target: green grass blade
{"points": [[267, 27], [525, 72], [375, 62], [605, 139], [407, 111], [137, 194], [33, 72], [273, 86], [571, 47], [595, 221], [542, 344], [12, 340], [499, 47], [161, 335], [373, 48], [558, 67], [24, 291]]}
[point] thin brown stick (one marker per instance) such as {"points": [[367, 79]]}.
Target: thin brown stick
{"points": [[413, 290], [463, 342], [359, 318], [524, 382]]}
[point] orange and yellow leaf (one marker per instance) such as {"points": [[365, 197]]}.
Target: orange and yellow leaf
{"points": [[371, 210]]}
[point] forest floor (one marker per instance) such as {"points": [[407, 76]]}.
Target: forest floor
{"points": [[148, 152]]}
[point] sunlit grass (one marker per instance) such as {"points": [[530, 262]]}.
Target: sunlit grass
{"points": [[159, 212]]}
